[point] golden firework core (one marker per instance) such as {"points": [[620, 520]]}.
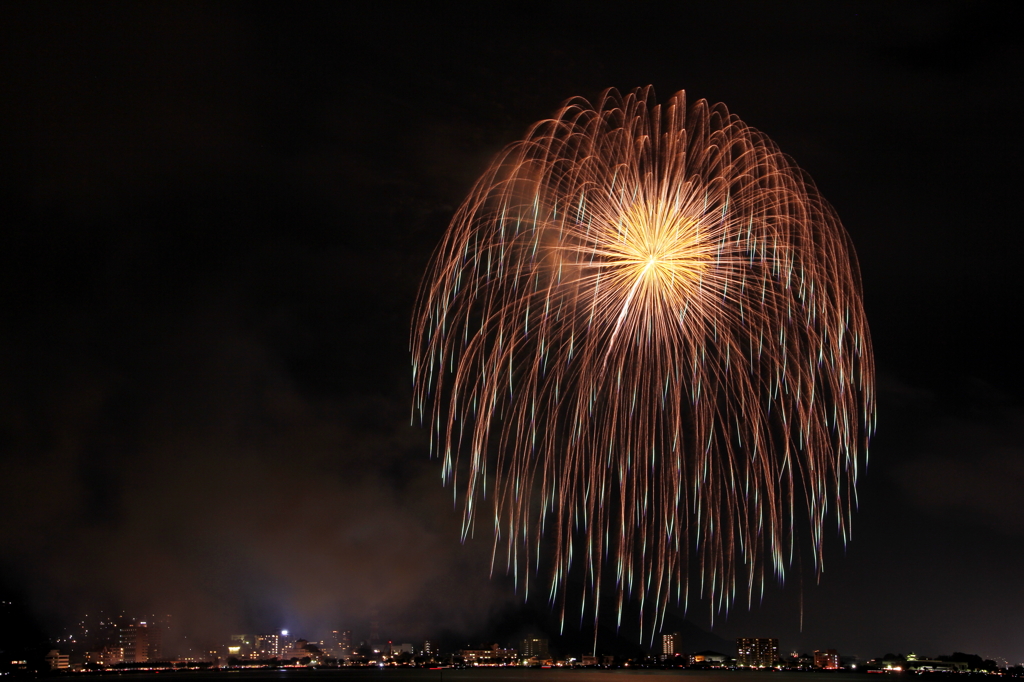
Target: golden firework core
{"points": [[657, 247]]}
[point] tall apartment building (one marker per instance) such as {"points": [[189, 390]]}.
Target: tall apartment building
{"points": [[268, 646], [671, 645], [757, 652], [534, 647], [139, 642], [341, 644]]}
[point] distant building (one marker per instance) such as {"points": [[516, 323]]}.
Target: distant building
{"points": [[757, 652], [827, 659], [534, 647], [268, 646], [671, 645], [429, 648], [708, 658], [105, 657], [800, 661], [57, 661], [139, 642], [243, 646], [915, 662], [341, 644], [299, 649], [492, 655]]}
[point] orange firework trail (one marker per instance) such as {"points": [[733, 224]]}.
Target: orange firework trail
{"points": [[643, 339]]}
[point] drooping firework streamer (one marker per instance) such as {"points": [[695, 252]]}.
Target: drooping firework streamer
{"points": [[642, 339]]}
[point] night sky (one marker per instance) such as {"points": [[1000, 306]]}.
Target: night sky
{"points": [[216, 218]]}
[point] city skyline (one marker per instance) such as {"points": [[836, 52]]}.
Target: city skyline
{"points": [[216, 222], [100, 641]]}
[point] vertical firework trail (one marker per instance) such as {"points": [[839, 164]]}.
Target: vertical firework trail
{"points": [[642, 339]]}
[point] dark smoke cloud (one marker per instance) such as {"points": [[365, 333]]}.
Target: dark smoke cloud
{"points": [[205, 480]]}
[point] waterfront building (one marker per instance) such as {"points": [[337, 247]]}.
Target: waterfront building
{"points": [[139, 642], [534, 647], [493, 655], [827, 659], [243, 646], [106, 656], [708, 659], [341, 644], [757, 652], [56, 660], [299, 649], [268, 646], [671, 645]]}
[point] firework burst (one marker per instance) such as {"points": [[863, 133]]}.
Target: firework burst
{"points": [[642, 339]]}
